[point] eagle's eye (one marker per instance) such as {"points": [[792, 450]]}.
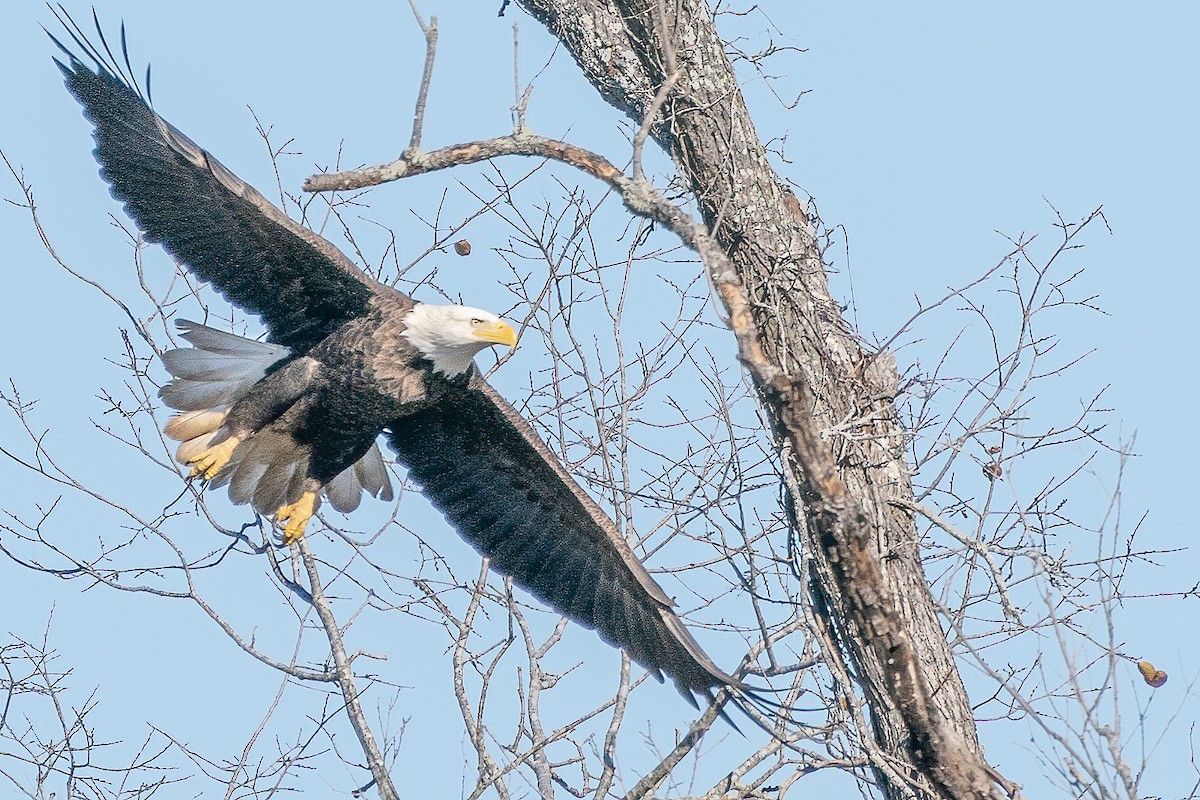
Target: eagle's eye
{"points": [[477, 321]]}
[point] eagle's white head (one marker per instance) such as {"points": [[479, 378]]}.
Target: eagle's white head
{"points": [[450, 336]]}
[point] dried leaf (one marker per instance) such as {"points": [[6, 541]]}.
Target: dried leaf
{"points": [[1154, 677]]}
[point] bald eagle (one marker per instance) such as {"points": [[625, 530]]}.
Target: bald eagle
{"points": [[290, 421]]}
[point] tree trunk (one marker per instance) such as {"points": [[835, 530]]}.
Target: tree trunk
{"points": [[847, 474]]}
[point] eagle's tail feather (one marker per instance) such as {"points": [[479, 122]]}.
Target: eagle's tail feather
{"points": [[345, 490], [373, 474], [268, 469], [369, 473], [189, 450], [191, 424], [217, 369]]}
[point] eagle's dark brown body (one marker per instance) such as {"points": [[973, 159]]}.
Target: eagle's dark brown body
{"points": [[336, 398]]}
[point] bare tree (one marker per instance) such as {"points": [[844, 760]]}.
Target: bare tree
{"points": [[48, 740], [805, 502]]}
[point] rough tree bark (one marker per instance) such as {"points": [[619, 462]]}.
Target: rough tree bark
{"points": [[830, 402]]}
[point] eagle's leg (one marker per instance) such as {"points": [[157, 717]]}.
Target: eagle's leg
{"points": [[295, 516], [207, 463]]}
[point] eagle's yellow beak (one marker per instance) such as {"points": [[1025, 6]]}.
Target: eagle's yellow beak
{"points": [[498, 332]]}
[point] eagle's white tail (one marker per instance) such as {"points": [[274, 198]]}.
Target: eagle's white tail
{"points": [[213, 374]]}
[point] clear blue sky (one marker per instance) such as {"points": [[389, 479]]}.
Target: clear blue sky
{"points": [[927, 132]]}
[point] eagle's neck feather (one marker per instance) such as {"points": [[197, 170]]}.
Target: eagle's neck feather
{"points": [[452, 361]]}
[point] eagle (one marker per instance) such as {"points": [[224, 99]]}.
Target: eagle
{"points": [[291, 421]]}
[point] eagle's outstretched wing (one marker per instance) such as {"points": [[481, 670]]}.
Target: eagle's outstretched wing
{"points": [[205, 216], [482, 465]]}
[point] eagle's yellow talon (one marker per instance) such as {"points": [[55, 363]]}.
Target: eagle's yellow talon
{"points": [[208, 463], [296, 516]]}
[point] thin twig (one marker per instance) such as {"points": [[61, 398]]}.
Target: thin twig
{"points": [[431, 36], [639, 139]]}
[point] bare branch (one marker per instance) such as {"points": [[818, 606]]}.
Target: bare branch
{"points": [[431, 35], [345, 676]]}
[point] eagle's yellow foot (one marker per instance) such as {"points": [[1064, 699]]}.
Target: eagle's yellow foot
{"points": [[207, 463], [296, 516]]}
